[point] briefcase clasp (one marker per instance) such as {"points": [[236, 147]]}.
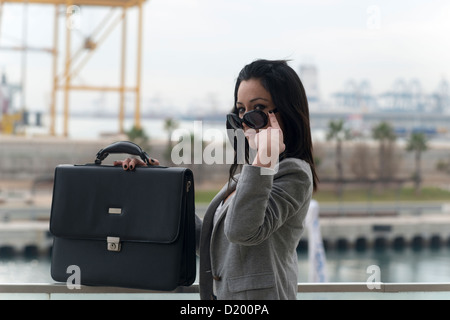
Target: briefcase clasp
{"points": [[113, 244]]}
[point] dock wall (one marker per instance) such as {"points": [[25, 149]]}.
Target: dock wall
{"points": [[377, 232], [34, 159]]}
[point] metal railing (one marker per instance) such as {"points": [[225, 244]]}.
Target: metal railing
{"points": [[331, 291]]}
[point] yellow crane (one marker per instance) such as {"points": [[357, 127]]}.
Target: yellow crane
{"points": [[74, 62], [8, 122]]}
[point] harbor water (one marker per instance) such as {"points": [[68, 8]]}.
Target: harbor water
{"points": [[396, 266]]}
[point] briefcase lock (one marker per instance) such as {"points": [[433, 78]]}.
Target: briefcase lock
{"points": [[113, 244]]}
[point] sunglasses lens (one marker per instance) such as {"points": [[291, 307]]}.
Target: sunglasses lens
{"points": [[256, 119], [234, 121]]}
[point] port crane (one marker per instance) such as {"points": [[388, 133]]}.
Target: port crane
{"points": [[76, 60]]}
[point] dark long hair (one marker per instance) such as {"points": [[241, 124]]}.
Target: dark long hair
{"points": [[289, 97]]}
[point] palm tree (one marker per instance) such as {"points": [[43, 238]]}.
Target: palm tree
{"points": [[337, 131], [138, 136], [418, 143], [386, 135], [169, 125]]}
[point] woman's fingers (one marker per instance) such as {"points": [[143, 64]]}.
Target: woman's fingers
{"points": [[154, 162], [275, 126], [136, 163], [126, 163], [273, 121], [250, 134], [131, 164]]}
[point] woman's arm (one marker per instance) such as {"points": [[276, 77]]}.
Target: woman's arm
{"points": [[263, 203], [198, 229]]}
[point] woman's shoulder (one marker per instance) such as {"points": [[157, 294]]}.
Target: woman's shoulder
{"points": [[294, 165]]}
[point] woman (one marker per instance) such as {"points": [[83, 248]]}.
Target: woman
{"points": [[247, 240]]}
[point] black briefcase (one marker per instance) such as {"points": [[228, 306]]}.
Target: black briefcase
{"points": [[132, 229]]}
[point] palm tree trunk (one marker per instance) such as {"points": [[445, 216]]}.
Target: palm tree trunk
{"points": [[339, 169], [418, 175]]}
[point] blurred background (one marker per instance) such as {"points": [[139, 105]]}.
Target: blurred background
{"points": [[77, 76]]}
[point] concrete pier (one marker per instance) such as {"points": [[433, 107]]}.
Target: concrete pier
{"points": [[342, 232], [29, 237], [380, 232], [411, 225]]}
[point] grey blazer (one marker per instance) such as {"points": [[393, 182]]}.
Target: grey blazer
{"points": [[250, 252]]}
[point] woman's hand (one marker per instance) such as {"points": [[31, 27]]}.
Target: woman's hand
{"points": [[269, 144], [132, 163]]}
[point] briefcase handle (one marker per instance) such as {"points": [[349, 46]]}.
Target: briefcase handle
{"points": [[122, 147]]}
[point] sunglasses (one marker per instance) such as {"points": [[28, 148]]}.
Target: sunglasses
{"points": [[255, 119]]}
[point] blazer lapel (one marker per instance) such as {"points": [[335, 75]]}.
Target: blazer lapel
{"points": [[206, 236], [224, 208]]}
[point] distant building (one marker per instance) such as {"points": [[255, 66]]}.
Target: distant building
{"points": [[441, 97], [7, 94], [4, 96], [309, 75], [356, 97]]}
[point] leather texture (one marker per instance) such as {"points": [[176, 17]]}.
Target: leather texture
{"points": [[149, 210], [122, 147]]}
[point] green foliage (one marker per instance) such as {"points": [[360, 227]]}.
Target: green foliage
{"points": [[138, 136], [443, 165], [170, 125], [417, 142], [337, 131], [205, 196], [386, 194], [352, 194], [384, 132]]}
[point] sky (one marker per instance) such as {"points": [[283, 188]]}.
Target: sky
{"points": [[193, 50]]}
